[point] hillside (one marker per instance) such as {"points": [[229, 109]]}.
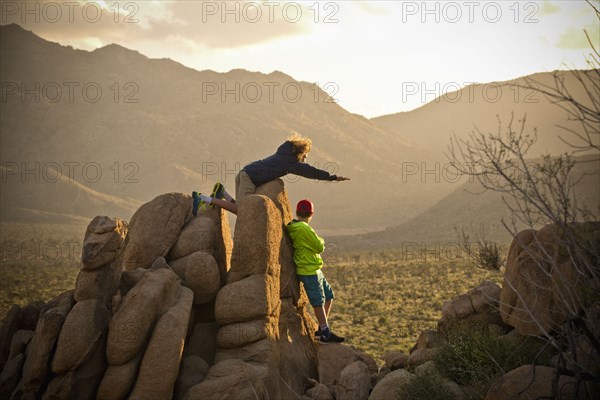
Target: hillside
{"points": [[157, 128], [483, 105], [106, 130], [469, 208]]}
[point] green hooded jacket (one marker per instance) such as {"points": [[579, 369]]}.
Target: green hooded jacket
{"points": [[308, 247]]}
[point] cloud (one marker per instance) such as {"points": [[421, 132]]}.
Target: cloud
{"points": [[575, 38], [548, 8], [210, 24]]}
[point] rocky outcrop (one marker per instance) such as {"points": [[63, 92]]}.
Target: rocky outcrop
{"points": [[542, 287], [530, 382], [478, 304], [264, 333], [158, 313]]}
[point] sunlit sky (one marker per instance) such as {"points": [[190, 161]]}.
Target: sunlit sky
{"points": [[369, 52]]}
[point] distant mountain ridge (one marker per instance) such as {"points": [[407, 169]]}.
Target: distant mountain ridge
{"points": [[159, 127], [473, 209]]}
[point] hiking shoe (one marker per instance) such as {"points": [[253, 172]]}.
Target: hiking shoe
{"points": [[318, 333], [199, 204], [197, 200], [333, 338], [218, 191]]}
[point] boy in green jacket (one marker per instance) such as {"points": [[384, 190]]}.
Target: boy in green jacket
{"points": [[308, 247]]}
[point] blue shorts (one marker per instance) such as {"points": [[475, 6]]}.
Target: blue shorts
{"points": [[317, 288]]}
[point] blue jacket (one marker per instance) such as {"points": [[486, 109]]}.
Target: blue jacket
{"points": [[281, 163]]}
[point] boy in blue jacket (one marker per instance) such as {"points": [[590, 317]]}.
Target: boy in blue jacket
{"points": [[289, 159], [308, 247]]}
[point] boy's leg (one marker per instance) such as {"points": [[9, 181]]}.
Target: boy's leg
{"points": [[231, 207], [327, 308], [321, 315], [329, 296]]}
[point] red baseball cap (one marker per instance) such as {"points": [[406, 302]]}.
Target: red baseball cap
{"points": [[305, 206]]}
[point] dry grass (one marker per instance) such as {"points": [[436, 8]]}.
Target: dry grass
{"points": [[383, 301]]}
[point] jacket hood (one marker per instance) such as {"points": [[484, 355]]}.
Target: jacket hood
{"points": [[286, 149], [294, 226]]}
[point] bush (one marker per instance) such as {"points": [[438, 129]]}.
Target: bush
{"points": [[424, 386], [473, 355]]}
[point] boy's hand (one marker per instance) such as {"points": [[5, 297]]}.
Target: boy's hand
{"points": [[341, 178]]}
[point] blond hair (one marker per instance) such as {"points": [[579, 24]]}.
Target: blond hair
{"points": [[302, 145]]}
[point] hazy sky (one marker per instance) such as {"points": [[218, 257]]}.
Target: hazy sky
{"points": [[376, 57]]}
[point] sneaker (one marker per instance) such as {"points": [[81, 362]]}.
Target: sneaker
{"points": [[199, 204], [333, 338], [218, 191], [318, 333]]}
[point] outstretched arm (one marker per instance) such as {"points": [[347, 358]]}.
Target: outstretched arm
{"points": [[308, 171]]}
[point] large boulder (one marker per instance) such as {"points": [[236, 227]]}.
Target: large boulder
{"points": [[197, 235], [154, 229], [478, 304], [542, 287], [45, 336], [10, 325], [531, 382], [257, 239], [290, 285], [100, 284], [118, 380], [79, 336], [81, 383], [160, 365], [104, 238], [223, 244], [132, 324], [200, 273]]}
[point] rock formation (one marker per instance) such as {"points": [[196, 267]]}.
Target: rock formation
{"points": [[167, 306]]}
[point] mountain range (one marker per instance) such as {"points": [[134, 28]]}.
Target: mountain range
{"points": [[85, 133]]}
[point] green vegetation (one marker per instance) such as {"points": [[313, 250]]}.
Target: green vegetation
{"points": [[425, 386], [475, 356], [38, 262]]}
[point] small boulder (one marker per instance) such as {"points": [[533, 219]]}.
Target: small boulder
{"points": [[251, 298], [193, 370], [197, 235], [334, 358], [354, 382], [231, 380], [388, 387]]}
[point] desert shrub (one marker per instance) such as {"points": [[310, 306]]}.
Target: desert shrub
{"points": [[474, 355], [424, 386], [490, 256]]}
